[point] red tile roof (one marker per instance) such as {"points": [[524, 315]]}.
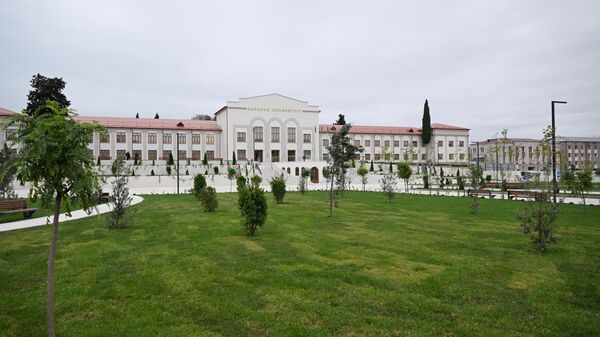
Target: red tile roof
{"points": [[6, 112], [387, 130], [151, 123]]}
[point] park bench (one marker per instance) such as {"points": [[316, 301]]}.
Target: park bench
{"points": [[512, 194], [11, 206], [480, 193], [513, 185]]}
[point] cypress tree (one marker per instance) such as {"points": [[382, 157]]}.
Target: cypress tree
{"points": [[137, 115], [156, 116], [371, 169], [234, 160], [426, 127]]}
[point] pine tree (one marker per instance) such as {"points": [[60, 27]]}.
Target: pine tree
{"points": [[426, 127], [341, 120]]}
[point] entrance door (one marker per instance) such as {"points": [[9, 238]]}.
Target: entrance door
{"points": [[258, 155], [314, 175]]}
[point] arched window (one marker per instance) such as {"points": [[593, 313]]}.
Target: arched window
{"points": [[297, 171]]}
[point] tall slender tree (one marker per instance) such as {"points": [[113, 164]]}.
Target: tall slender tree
{"points": [[45, 89], [426, 126]]}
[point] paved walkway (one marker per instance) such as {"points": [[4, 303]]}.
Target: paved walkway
{"points": [[41, 221]]}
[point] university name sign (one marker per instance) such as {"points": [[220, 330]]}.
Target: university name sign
{"points": [[272, 109]]}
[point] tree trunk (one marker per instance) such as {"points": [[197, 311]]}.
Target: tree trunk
{"points": [[51, 257], [331, 194]]}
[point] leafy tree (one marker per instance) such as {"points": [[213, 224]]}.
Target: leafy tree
{"points": [[362, 172], [460, 182], [199, 185], [302, 182], [426, 130], [255, 180], [234, 159], [578, 183], [476, 174], [54, 159], [388, 185], [278, 189], [231, 176], [404, 172], [46, 89], [537, 221], [156, 116], [208, 198], [326, 174], [121, 200], [341, 149], [253, 206], [202, 117], [7, 172]]}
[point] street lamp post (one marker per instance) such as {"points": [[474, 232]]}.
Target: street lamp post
{"points": [[554, 185]]}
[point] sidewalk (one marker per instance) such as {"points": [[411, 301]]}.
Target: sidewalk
{"points": [[41, 221]]}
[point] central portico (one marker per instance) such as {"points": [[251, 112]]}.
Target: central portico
{"points": [[269, 128]]}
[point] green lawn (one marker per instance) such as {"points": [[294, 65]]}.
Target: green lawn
{"points": [[419, 266]]}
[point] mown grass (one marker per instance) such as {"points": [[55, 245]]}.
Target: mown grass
{"points": [[418, 266]]}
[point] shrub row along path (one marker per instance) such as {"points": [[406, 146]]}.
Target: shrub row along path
{"points": [[78, 214]]}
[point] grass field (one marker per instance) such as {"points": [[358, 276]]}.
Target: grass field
{"points": [[418, 266]]}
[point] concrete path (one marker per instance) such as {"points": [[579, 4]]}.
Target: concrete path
{"points": [[41, 221]]}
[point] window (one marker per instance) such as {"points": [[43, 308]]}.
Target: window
{"points": [[104, 154], [396, 143], [210, 155], [414, 156], [258, 133], [152, 153], [396, 156], [325, 156], [274, 155], [166, 154], [291, 155], [386, 143], [136, 138], [196, 155], [415, 143], [377, 143], [152, 138], [306, 138], [275, 134], [367, 143], [440, 143], [451, 156], [137, 154], [405, 143], [210, 139], [461, 143], [104, 137], [121, 137], [461, 156], [11, 134], [121, 154], [440, 156], [196, 138], [167, 138], [306, 155], [182, 154], [291, 135], [367, 156], [423, 156], [325, 142], [377, 156], [241, 154], [357, 142], [450, 143], [241, 137], [181, 138]]}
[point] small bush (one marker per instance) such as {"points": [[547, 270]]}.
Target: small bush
{"points": [[425, 181], [168, 170], [152, 172], [504, 185], [208, 198], [278, 189], [187, 173], [256, 180], [253, 206], [488, 178], [241, 183], [216, 170], [199, 185]]}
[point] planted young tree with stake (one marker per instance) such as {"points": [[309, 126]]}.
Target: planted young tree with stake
{"points": [[404, 172], [56, 162]]}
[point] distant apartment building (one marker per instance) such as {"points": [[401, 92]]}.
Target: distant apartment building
{"points": [[581, 152], [511, 154]]}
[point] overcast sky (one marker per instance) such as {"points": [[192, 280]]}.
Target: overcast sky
{"points": [[485, 65]]}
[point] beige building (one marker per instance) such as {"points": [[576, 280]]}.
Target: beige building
{"points": [[510, 154], [581, 152]]}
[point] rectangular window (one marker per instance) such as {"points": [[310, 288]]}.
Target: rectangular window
{"points": [[258, 133], [241, 137], [152, 154], [461, 143], [451, 156], [121, 154], [196, 138], [167, 138], [357, 142], [440, 156], [415, 143], [121, 137], [367, 143], [291, 156], [104, 137], [241, 154], [275, 134], [440, 143], [274, 155], [196, 155], [367, 156], [306, 138], [396, 143], [104, 154], [210, 155], [11, 134], [414, 156], [423, 156], [181, 138], [377, 143], [166, 154], [325, 142], [136, 138], [137, 154], [306, 155], [182, 155], [396, 156], [377, 156], [386, 143], [461, 156], [291, 135], [405, 143], [152, 139], [210, 139], [325, 156], [450, 143]]}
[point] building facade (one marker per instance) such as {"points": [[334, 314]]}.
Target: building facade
{"points": [[580, 152], [268, 128], [510, 154]]}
